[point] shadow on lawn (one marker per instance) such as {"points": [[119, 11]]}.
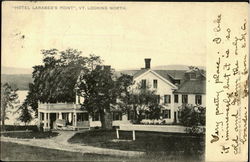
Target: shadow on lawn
{"points": [[29, 135], [18, 152], [18, 128], [155, 144]]}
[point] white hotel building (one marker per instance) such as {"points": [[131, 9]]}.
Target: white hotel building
{"points": [[174, 87]]}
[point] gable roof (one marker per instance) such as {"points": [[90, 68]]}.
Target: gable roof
{"points": [[139, 72], [169, 75], [163, 76], [188, 86], [128, 72], [174, 74], [192, 87]]}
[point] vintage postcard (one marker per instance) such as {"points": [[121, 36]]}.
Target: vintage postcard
{"points": [[124, 81]]}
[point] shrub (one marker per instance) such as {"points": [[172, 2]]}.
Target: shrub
{"points": [[192, 116]]}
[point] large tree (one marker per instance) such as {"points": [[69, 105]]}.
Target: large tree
{"points": [[138, 100], [97, 86], [9, 97], [55, 79]]}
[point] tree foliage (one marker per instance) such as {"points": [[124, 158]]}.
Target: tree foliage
{"points": [[192, 115], [137, 99], [98, 88], [9, 97], [25, 115], [55, 79]]}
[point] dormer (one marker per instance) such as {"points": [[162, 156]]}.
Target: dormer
{"points": [[191, 75]]}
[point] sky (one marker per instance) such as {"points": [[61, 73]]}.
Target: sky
{"points": [[168, 33]]}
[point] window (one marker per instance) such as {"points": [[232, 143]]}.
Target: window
{"points": [[117, 116], [192, 76], [166, 114], [96, 116], [82, 116], [167, 99], [143, 84], [177, 82], [176, 98], [158, 98], [198, 99], [155, 83], [184, 98], [65, 116]]}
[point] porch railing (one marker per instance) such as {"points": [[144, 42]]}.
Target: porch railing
{"points": [[58, 106]]}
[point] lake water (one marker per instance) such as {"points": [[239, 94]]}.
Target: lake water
{"points": [[13, 115], [22, 95]]}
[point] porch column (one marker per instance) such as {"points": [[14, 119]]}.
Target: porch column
{"points": [[45, 121], [75, 119], [60, 115], [49, 120]]}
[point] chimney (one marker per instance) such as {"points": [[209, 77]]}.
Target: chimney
{"points": [[147, 63]]}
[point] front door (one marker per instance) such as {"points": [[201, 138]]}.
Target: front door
{"points": [[52, 120]]}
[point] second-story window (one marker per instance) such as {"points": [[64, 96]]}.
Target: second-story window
{"points": [[167, 99], [155, 83], [176, 98], [184, 98], [143, 83], [198, 99]]}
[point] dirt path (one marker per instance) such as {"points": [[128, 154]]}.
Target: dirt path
{"points": [[60, 142]]}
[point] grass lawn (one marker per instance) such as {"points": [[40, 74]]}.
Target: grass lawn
{"points": [[163, 146], [29, 135], [17, 152]]}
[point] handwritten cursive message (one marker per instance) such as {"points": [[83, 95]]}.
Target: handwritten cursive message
{"points": [[229, 79]]}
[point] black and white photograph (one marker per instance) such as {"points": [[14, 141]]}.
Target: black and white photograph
{"points": [[109, 81]]}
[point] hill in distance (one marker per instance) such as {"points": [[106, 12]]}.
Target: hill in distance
{"points": [[14, 70], [19, 81]]}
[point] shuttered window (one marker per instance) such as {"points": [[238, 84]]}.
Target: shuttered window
{"points": [[184, 98], [198, 99], [167, 99], [166, 114]]}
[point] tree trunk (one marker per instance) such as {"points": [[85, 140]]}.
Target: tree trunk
{"points": [[106, 120], [3, 121]]}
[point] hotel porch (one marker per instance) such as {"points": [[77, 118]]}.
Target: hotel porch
{"points": [[62, 116]]}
